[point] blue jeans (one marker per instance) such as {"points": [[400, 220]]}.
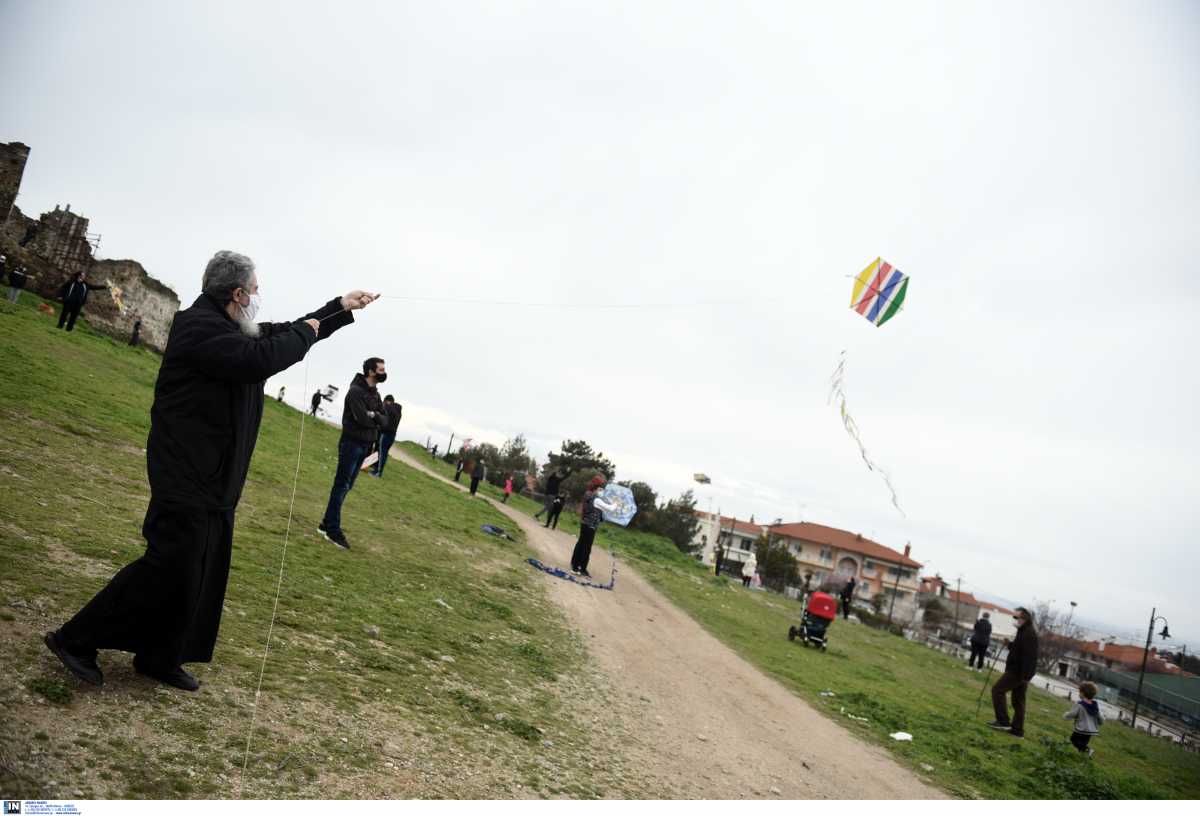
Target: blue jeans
{"points": [[351, 453], [385, 444]]}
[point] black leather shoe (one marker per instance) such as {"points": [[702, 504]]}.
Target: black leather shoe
{"points": [[82, 666], [176, 677]]}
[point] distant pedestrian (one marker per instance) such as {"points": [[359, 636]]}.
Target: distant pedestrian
{"points": [[479, 473], [74, 294], [1019, 669], [980, 639], [556, 507], [592, 513], [749, 569], [552, 483], [316, 403], [433, 453], [458, 468], [387, 436], [507, 489], [362, 419], [279, 396], [1087, 717], [847, 597], [16, 280], [135, 336]]}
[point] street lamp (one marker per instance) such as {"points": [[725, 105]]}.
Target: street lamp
{"points": [[1164, 634]]}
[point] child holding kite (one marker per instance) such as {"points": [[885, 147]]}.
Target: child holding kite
{"points": [[592, 513]]}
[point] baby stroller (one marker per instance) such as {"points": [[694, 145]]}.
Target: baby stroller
{"points": [[821, 611]]}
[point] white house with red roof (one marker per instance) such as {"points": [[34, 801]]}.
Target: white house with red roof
{"points": [[736, 539], [837, 555]]}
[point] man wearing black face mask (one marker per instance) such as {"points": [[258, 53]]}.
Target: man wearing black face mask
{"points": [[363, 418], [1019, 669]]}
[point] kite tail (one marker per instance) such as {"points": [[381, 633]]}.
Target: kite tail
{"points": [[837, 391]]}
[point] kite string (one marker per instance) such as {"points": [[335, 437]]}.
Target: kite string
{"points": [[278, 589]]}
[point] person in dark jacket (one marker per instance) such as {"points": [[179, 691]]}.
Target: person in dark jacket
{"points": [[477, 475], [316, 403], [208, 402], [74, 294], [362, 420], [392, 413], [458, 469], [552, 484], [590, 516], [847, 597], [1019, 669], [980, 638], [135, 337], [17, 278], [556, 507]]}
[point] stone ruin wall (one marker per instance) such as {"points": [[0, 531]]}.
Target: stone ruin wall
{"points": [[57, 246]]}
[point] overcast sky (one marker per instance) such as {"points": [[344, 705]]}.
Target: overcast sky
{"points": [[1033, 166]]}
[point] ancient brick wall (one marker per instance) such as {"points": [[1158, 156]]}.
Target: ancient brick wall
{"points": [[12, 167], [141, 294]]}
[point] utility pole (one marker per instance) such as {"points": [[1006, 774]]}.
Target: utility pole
{"points": [[956, 594], [895, 589]]}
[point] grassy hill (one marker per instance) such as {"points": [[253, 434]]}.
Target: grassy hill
{"points": [[897, 685], [464, 692], [473, 687]]}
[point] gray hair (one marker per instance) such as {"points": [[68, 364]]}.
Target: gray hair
{"points": [[225, 272]]}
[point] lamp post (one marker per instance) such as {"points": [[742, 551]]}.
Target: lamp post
{"points": [[1165, 633]]}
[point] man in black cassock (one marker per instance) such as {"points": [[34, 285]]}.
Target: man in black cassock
{"points": [[208, 402]]}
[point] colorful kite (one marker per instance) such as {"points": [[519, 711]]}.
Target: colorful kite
{"points": [[702, 478], [117, 296], [622, 497], [879, 292]]}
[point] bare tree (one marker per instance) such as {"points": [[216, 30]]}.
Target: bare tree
{"points": [[1057, 635]]}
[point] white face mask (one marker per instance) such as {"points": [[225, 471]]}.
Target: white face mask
{"points": [[250, 311]]}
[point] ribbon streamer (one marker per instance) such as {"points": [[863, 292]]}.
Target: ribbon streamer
{"points": [[837, 391]]}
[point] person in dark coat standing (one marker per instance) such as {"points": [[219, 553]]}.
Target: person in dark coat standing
{"points": [[17, 278], [363, 418], [458, 469], [392, 413], [74, 294], [552, 484], [316, 403], [555, 508], [208, 402], [590, 516], [135, 337], [980, 638], [847, 597], [477, 475], [1019, 669]]}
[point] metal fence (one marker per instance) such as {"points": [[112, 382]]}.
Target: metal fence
{"points": [[1155, 696]]}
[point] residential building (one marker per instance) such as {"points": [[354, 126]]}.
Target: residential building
{"points": [[736, 539], [833, 556]]}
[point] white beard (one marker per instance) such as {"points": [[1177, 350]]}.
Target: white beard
{"points": [[248, 327]]}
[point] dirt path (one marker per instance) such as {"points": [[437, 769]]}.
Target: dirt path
{"points": [[697, 713]]}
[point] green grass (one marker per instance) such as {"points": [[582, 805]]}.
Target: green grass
{"points": [[898, 685], [466, 629]]}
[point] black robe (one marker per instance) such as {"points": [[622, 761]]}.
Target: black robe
{"points": [[208, 403]]}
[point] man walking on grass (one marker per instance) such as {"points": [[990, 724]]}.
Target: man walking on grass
{"points": [[552, 484], [1019, 669], [362, 420], [980, 638], [208, 403]]}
